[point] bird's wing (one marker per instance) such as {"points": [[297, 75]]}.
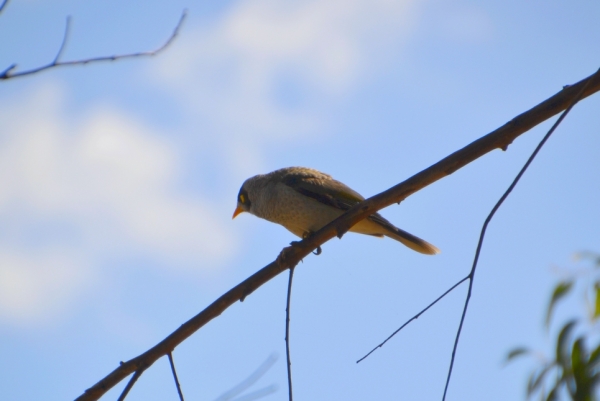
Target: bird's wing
{"points": [[322, 188], [328, 191]]}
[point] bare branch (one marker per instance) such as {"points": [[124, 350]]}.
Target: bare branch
{"points": [[471, 275], [64, 42], [249, 381], [415, 317], [4, 3], [287, 334], [255, 395], [175, 376], [8, 74], [130, 384], [8, 70], [291, 256]]}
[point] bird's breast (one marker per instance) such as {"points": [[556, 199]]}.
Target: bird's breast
{"points": [[296, 212]]}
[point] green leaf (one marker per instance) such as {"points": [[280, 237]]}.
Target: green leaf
{"points": [[535, 380], [559, 292], [553, 395], [562, 355], [595, 379], [530, 382], [578, 362], [597, 309], [516, 352], [595, 357]]}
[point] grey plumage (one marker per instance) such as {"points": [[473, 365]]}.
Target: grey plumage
{"points": [[304, 200]]}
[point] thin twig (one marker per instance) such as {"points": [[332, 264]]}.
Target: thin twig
{"points": [[250, 380], [260, 393], [130, 384], [170, 354], [471, 275], [291, 256], [7, 73], [4, 3], [7, 70], [64, 42], [287, 335], [415, 317]]}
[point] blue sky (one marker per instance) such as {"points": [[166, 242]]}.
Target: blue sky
{"points": [[118, 181]]}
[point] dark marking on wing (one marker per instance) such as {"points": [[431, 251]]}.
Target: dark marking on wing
{"points": [[331, 192], [325, 190]]}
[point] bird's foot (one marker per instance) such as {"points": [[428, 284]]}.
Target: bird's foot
{"points": [[287, 253], [309, 234]]}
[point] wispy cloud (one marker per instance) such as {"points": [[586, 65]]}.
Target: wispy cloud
{"points": [[94, 187], [266, 70], [76, 190], [36, 286], [470, 25]]}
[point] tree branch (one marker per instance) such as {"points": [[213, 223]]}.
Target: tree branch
{"points": [[471, 275], [291, 256], [130, 384], [8, 72], [4, 3], [249, 381], [415, 317], [170, 354], [287, 334], [64, 42]]}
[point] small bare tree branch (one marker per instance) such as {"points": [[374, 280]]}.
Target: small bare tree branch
{"points": [[130, 384], [287, 334], [291, 256], [4, 3], [175, 376], [249, 381], [9, 74], [471, 275], [255, 395], [415, 317], [64, 42]]}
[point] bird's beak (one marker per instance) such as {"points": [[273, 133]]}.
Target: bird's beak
{"points": [[237, 211]]}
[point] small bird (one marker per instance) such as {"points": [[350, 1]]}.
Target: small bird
{"points": [[303, 200]]}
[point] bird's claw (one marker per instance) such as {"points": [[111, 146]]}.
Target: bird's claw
{"points": [[309, 234]]}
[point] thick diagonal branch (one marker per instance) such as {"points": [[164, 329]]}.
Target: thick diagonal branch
{"points": [[289, 257]]}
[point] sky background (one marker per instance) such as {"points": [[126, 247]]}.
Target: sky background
{"points": [[118, 181]]}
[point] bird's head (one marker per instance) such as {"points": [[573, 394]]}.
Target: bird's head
{"points": [[243, 201]]}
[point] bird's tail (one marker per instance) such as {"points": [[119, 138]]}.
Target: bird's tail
{"points": [[411, 241]]}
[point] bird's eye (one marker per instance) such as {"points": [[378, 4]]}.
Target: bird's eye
{"points": [[243, 198]]}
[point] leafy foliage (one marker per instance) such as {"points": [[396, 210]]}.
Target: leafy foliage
{"points": [[574, 370]]}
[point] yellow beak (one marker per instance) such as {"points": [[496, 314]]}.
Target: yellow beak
{"points": [[237, 211]]}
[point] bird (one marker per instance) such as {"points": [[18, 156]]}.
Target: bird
{"points": [[303, 200]]}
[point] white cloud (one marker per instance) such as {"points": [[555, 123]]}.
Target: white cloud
{"points": [[231, 73], [106, 185], [127, 176], [37, 288], [327, 42], [467, 25]]}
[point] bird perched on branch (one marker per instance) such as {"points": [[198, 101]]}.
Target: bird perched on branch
{"points": [[303, 200]]}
